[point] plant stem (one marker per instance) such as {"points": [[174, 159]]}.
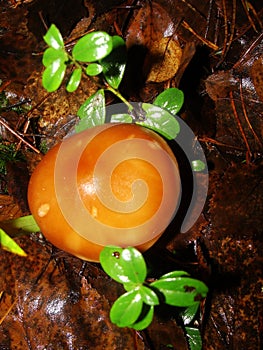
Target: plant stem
{"points": [[119, 95]]}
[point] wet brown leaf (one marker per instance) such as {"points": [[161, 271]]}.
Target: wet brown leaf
{"points": [[153, 29], [235, 249], [56, 112], [166, 56], [9, 209], [238, 100], [235, 214], [50, 310], [17, 44], [257, 76]]}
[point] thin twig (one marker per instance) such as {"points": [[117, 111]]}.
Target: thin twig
{"points": [[219, 143], [244, 3], [225, 28], [228, 42], [4, 85], [208, 17], [245, 113], [247, 7], [249, 154], [8, 311], [204, 40], [251, 47], [18, 136]]}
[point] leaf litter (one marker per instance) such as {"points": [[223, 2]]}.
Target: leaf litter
{"points": [[53, 288]]}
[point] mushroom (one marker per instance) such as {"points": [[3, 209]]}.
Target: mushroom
{"points": [[113, 184]]}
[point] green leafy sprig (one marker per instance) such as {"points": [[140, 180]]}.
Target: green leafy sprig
{"points": [[7, 243], [17, 227], [100, 54], [135, 308]]}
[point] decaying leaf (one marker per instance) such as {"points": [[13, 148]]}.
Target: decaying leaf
{"points": [[9, 209], [166, 56], [257, 76], [153, 29], [45, 307]]}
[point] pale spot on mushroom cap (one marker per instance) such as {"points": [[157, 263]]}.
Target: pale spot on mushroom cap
{"points": [[94, 211], [43, 210]]}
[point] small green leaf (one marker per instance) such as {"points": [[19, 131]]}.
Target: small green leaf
{"points": [[126, 309], [114, 64], [171, 99], [94, 69], [145, 321], [128, 286], [133, 264], [9, 244], [189, 313], [123, 265], [51, 55], [112, 265], [181, 291], [198, 165], [53, 75], [173, 274], [54, 38], [92, 111], [74, 80], [24, 224], [149, 297], [92, 47], [160, 120], [194, 338], [121, 118]]}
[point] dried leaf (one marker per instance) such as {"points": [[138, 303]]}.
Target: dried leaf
{"points": [[153, 29], [166, 57]]}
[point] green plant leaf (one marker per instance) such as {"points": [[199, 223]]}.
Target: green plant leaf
{"points": [[194, 338], [189, 313], [149, 297], [128, 286], [114, 64], [92, 111], [181, 291], [160, 120], [145, 321], [124, 265], [171, 99], [94, 69], [133, 264], [121, 118], [74, 80], [112, 265], [22, 225], [198, 165], [126, 309], [173, 274], [9, 244], [51, 55], [53, 75], [54, 38], [92, 47]]}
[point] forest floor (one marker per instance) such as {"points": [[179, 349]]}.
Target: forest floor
{"points": [[214, 54]]}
